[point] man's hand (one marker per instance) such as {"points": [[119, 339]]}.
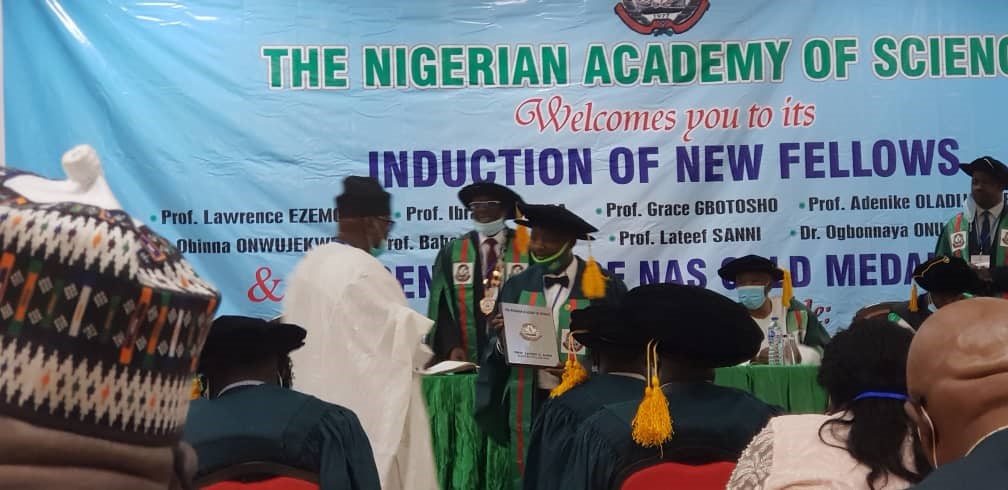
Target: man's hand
{"points": [[457, 354], [497, 322], [763, 357]]}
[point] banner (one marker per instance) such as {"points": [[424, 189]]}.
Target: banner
{"points": [[826, 135]]}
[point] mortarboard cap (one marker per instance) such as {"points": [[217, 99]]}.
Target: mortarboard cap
{"points": [[943, 274], [242, 337], [507, 197], [750, 263], [557, 218], [989, 165]]}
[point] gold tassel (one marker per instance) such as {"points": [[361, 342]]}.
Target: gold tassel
{"points": [[197, 389], [913, 298], [652, 425], [573, 375], [787, 289], [592, 281], [521, 240]]}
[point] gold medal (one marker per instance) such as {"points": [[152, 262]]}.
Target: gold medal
{"points": [[487, 305]]}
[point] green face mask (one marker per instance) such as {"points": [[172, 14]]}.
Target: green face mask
{"points": [[376, 251], [551, 263]]}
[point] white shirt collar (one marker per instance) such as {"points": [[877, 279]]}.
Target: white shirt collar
{"points": [[994, 211]]}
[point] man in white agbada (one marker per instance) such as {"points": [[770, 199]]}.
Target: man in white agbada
{"points": [[364, 349]]}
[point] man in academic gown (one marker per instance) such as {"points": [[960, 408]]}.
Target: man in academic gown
{"points": [[695, 330], [469, 271], [956, 372], [251, 414], [754, 277], [364, 348], [508, 399], [617, 350], [979, 235], [946, 280]]}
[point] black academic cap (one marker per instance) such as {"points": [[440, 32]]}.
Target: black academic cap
{"points": [[604, 325], [244, 337], [693, 324], [987, 164], [507, 197], [750, 263], [553, 217], [943, 274], [363, 197]]}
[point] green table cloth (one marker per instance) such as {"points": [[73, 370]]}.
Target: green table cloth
{"points": [[467, 460]]}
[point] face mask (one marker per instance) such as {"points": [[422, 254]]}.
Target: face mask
{"points": [[551, 263], [752, 297], [934, 443], [931, 306], [489, 229], [380, 249]]}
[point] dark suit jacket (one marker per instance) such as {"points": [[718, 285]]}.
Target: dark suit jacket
{"points": [[986, 468], [274, 424]]}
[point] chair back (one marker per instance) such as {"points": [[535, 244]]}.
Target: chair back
{"points": [[674, 476], [259, 475]]}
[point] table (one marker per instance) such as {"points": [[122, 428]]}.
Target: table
{"points": [[467, 460]]}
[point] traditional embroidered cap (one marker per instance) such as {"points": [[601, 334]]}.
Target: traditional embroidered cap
{"points": [[101, 319], [242, 337], [363, 197], [989, 165], [507, 197], [750, 263], [554, 217]]}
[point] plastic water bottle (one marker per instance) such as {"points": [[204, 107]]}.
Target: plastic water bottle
{"points": [[775, 343]]}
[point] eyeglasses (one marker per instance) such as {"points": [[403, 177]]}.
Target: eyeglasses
{"points": [[491, 205], [388, 222]]}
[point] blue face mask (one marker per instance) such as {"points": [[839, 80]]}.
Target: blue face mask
{"points": [[752, 297], [489, 229]]}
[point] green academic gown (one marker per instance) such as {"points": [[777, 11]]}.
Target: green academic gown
{"points": [[710, 423], [274, 424], [507, 399], [960, 238], [800, 318], [457, 289], [558, 422]]}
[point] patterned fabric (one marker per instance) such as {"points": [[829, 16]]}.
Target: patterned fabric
{"points": [[753, 467], [101, 320]]}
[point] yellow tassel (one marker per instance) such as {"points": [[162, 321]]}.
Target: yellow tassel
{"points": [[573, 375], [592, 281], [652, 424], [787, 289], [521, 240], [197, 389], [913, 298]]}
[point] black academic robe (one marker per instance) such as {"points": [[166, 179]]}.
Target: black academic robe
{"points": [[986, 467], [558, 422], [508, 400], [274, 424], [710, 423]]}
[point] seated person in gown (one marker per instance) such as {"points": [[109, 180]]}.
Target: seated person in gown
{"points": [[754, 277], [251, 414], [683, 417], [946, 280], [617, 353]]}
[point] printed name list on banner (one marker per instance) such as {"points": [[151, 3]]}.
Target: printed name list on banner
{"points": [[826, 137]]}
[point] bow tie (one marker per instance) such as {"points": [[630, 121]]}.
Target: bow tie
{"points": [[563, 281]]}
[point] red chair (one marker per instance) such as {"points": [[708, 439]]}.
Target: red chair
{"points": [[668, 476], [259, 476]]}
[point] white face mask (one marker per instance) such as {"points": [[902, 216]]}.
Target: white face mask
{"points": [[489, 229]]}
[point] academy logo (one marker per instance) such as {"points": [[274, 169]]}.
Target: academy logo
{"points": [[661, 16]]}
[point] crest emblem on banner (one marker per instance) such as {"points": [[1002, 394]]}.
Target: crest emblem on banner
{"points": [[661, 16]]}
